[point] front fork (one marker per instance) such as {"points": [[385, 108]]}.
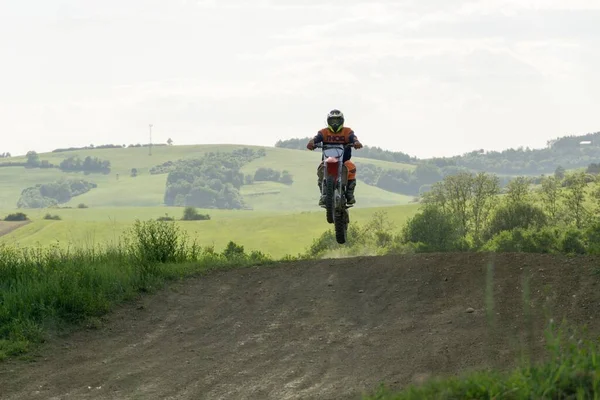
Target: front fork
{"points": [[334, 168]]}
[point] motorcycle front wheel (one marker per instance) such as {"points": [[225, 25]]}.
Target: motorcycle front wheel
{"points": [[329, 198], [341, 221]]}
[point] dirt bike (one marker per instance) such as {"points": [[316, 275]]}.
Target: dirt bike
{"points": [[335, 180]]}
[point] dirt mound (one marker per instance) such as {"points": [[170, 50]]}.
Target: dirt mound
{"points": [[329, 329]]}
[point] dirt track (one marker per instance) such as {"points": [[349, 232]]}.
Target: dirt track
{"points": [[329, 329]]}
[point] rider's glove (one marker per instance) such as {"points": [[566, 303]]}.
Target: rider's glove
{"points": [[311, 144], [358, 145]]}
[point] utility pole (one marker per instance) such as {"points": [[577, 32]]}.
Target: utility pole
{"points": [[150, 146]]}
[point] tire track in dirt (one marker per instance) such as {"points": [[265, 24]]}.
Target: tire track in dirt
{"points": [[7, 227], [326, 329]]}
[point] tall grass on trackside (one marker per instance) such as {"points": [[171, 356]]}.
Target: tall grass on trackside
{"points": [[52, 288]]}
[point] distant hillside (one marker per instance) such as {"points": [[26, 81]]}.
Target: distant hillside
{"points": [[274, 179], [279, 178], [568, 152]]}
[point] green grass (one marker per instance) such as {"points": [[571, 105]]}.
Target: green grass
{"points": [[148, 190], [572, 371], [276, 234]]}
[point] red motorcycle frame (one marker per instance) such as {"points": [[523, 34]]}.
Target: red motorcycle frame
{"points": [[335, 181]]}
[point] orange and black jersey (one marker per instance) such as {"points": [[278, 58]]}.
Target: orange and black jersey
{"points": [[345, 136]]}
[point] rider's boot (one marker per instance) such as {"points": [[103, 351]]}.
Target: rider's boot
{"points": [[350, 192]]}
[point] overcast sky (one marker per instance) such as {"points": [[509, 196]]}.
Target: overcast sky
{"points": [[427, 77]]}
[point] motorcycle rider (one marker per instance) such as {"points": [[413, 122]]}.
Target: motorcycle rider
{"points": [[337, 133]]}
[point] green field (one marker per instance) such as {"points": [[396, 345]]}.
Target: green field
{"points": [[283, 219], [277, 235], [147, 190]]}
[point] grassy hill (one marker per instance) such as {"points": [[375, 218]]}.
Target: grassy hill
{"points": [[284, 218], [147, 190]]}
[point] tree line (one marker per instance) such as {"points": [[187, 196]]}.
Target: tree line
{"points": [[470, 212], [87, 165], [568, 152], [112, 146], [71, 164]]}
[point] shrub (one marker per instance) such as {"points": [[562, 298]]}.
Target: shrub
{"points": [[52, 217], [286, 178], [233, 251], [545, 240], [267, 174], [434, 230], [16, 217], [82, 205], [515, 215], [157, 242], [191, 214], [572, 242], [380, 229]]}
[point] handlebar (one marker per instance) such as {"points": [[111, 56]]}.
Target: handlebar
{"points": [[320, 145]]}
